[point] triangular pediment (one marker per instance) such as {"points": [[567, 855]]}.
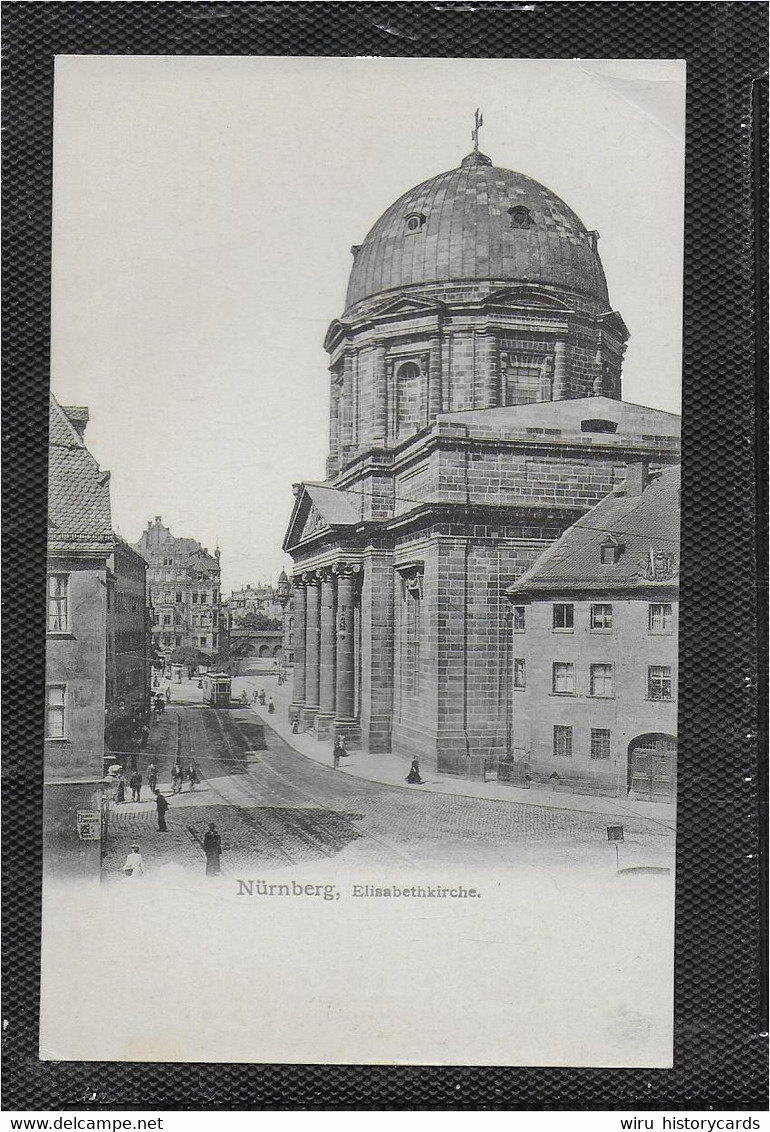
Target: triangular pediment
{"points": [[533, 298], [404, 305], [318, 510]]}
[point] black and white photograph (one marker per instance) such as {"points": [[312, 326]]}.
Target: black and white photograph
{"points": [[363, 561]]}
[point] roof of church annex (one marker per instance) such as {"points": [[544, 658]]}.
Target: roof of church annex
{"points": [[458, 226], [645, 530]]}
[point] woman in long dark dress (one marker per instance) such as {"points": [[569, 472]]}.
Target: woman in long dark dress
{"points": [[413, 778], [120, 793], [212, 847]]}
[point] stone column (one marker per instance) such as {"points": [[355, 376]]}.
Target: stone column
{"points": [[491, 372], [298, 694], [560, 376], [312, 652], [346, 408], [434, 378], [327, 668], [345, 692], [335, 406], [380, 418]]}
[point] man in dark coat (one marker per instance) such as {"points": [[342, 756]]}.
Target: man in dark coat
{"points": [[135, 782], [212, 847], [152, 776], [161, 805]]}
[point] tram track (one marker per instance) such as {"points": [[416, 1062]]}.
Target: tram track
{"points": [[285, 818]]}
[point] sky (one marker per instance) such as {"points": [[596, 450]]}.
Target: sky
{"points": [[204, 210]]}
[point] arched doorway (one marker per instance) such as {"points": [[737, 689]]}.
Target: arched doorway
{"points": [[652, 767], [264, 650]]}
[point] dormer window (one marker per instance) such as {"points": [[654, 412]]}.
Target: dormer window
{"points": [[520, 216], [414, 222], [610, 551]]}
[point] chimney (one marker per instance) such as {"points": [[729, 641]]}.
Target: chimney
{"points": [[637, 477], [78, 418]]}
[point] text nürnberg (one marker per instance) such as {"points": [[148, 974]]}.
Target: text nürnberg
{"points": [[367, 891]]}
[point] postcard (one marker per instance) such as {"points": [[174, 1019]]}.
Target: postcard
{"points": [[363, 561]]}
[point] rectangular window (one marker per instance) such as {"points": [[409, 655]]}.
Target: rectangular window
{"points": [[178, 597], [58, 611], [195, 599], [563, 679], [600, 743], [601, 680], [166, 618], [413, 634], [55, 711], [563, 616], [659, 682], [203, 641], [601, 617], [519, 618], [519, 673], [660, 618], [562, 742]]}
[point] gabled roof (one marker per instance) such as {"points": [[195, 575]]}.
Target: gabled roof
{"points": [[78, 490], [319, 507], [645, 528]]}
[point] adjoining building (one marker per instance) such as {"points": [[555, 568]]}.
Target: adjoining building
{"points": [[184, 592], [475, 415], [593, 647], [129, 649], [97, 648], [260, 599]]}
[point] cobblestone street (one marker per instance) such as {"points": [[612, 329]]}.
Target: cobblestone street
{"points": [[274, 807]]}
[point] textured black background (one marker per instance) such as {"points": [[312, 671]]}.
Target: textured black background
{"points": [[720, 994]]}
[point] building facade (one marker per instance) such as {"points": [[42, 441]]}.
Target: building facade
{"points": [[260, 599], [184, 592], [593, 648], [475, 415], [129, 648], [80, 547]]}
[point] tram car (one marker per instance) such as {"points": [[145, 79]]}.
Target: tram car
{"points": [[216, 689]]}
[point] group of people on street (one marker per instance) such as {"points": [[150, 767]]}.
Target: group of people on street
{"points": [[181, 774], [133, 866]]}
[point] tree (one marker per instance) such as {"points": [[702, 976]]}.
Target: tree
{"points": [[257, 621], [190, 657]]}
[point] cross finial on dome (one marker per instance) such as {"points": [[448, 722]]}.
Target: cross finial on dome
{"points": [[475, 132]]}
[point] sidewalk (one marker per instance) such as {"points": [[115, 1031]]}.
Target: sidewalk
{"points": [[390, 770]]}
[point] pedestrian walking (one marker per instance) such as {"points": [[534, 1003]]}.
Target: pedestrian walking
{"points": [[176, 778], [135, 782], [152, 776], [413, 778], [161, 805], [168, 694], [134, 865], [262, 696], [340, 746], [192, 774], [120, 792], [295, 727], [144, 737], [254, 696], [270, 706], [212, 847]]}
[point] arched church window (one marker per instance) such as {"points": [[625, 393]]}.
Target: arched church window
{"points": [[520, 216], [407, 399], [414, 222]]}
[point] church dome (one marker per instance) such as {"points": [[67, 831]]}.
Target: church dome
{"points": [[478, 222]]}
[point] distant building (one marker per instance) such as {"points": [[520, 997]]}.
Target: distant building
{"points": [[129, 649], [96, 647], [593, 647], [184, 592], [262, 599]]}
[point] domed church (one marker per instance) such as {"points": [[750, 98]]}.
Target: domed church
{"points": [[475, 415]]}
